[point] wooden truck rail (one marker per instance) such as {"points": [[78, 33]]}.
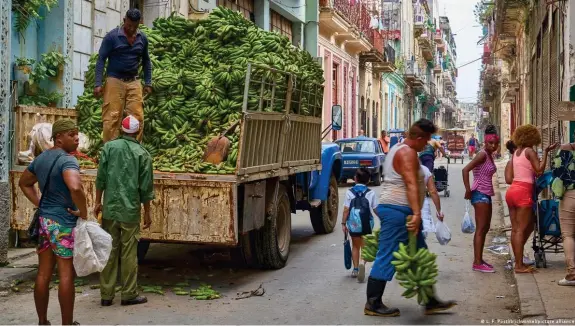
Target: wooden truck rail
{"points": [[200, 208]]}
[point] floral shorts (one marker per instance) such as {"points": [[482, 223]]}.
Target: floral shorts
{"points": [[56, 237]]}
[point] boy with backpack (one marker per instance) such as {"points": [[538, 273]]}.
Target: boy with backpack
{"points": [[357, 219]]}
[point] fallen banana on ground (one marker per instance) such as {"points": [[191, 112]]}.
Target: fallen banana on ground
{"points": [[415, 270]]}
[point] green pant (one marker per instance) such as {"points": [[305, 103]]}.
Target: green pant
{"points": [[125, 238]]}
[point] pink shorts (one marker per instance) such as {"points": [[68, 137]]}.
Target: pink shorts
{"points": [[471, 149], [519, 194]]}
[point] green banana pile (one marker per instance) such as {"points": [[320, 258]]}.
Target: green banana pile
{"points": [[370, 246], [205, 292], [415, 271], [199, 77]]}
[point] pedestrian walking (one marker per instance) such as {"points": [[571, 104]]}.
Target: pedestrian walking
{"points": [[480, 194], [358, 226], [442, 145], [564, 188], [62, 201], [126, 181], [427, 155], [525, 167], [402, 194], [384, 141], [125, 48], [432, 193], [472, 145]]}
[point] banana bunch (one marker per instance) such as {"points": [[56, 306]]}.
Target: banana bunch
{"points": [[205, 292], [371, 245], [198, 80], [415, 272]]}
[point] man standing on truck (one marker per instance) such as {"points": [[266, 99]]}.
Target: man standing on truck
{"points": [[126, 179], [402, 194], [57, 173], [124, 47]]}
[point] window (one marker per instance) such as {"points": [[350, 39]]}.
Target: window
{"points": [[245, 7], [364, 146], [281, 25]]}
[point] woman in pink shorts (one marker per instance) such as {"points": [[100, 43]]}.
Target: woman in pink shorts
{"points": [[525, 167]]}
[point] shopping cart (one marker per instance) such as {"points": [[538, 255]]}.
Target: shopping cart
{"points": [[547, 234]]}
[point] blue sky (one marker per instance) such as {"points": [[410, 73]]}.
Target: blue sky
{"points": [[463, 23]]}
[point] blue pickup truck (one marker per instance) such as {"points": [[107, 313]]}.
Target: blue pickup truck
{"points": [[361, 152]]}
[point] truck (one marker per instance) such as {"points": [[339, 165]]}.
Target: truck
{"points": [[283, 166]]}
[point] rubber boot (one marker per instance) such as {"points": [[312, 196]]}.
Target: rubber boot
{"points": [[435, 305], [374, 306]]}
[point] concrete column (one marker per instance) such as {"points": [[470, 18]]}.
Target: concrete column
{"points": [[311, 27], [5, 59], [262, 14], [68, 50], [297, 37]]}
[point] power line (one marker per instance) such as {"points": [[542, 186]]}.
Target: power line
{"points": [[492, 53]]}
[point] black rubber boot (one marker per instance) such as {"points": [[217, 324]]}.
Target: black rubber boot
{"points": [[435, 305], [374, 306]]}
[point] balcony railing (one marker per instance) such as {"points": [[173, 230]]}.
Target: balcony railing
{"points": [[355, 14]]}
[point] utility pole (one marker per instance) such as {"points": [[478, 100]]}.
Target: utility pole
{"points": [[5, 59]]}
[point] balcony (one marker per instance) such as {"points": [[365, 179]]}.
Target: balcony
{"points": [[438, 37], [426, 45], [432, 90], [448, 79], [380, 63], [348, 22], [413, 75]]}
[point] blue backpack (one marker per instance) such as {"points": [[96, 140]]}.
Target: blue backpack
{"points": [[360, 220]]}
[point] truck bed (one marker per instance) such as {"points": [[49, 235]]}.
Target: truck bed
{"points": [[188, 208]]}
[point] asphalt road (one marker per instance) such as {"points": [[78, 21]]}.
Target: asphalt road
{"points": [[314, 288]]}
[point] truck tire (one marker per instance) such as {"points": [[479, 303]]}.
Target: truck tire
{"points": [[143, 247], [324, 217], [272, 241]]}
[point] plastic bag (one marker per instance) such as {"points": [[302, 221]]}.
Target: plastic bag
{"points": [[83, 143], [92, 247], [346, 252], [467, 225], [426, 218], [40, 136], [442, 233]]}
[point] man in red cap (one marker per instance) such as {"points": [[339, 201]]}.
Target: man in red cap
{"points": [[126, 179]]}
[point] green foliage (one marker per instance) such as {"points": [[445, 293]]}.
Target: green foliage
{"points": [[21, 61], [48, 67], [28, 10], [483, 10], [41, 98]]}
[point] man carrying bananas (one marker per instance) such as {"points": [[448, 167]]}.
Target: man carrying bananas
{"points": [[402, 194], [124, 47]]}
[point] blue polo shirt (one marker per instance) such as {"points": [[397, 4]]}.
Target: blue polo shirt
{"points": [[123, 59]]}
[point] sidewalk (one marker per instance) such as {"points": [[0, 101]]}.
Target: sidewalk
{"points": [[539, 295], [22, 266]]}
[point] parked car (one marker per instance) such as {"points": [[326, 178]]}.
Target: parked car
{"points": [[361, 152]]}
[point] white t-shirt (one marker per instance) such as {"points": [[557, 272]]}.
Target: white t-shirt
{"points": [[370, 196], [426, 174]]}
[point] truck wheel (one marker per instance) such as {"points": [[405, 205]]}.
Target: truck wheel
{"points": [[377, 179], [273, 239], [143, 247], [324, 217]]}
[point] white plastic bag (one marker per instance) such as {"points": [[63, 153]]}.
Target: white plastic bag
{"points": [[92, 247], [442, 233], [467, 225], [40, 136], [426, 219]]}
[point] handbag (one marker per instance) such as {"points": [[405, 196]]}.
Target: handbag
{"points": [[34, 228], [346, 252]]}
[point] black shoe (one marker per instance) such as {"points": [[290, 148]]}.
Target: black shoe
{"points": [[106, 303], [434, 306], [374, 306], [136, 300]]}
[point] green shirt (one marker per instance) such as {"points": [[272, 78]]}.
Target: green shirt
{"points": [[126, 176]]}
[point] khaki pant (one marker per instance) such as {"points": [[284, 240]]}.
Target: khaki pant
{"points": [[567, 220], [120, 97], [125, 238]]}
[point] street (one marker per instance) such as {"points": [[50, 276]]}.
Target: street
{"points": [[314, 288]]}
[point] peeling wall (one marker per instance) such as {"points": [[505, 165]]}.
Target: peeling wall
{"points": [[5, 45]]}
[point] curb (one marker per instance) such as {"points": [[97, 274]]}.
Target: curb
{"points": [[24, 274], [530, 301]]}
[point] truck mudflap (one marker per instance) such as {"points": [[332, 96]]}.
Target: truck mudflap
{"points": [[189, 210]]}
